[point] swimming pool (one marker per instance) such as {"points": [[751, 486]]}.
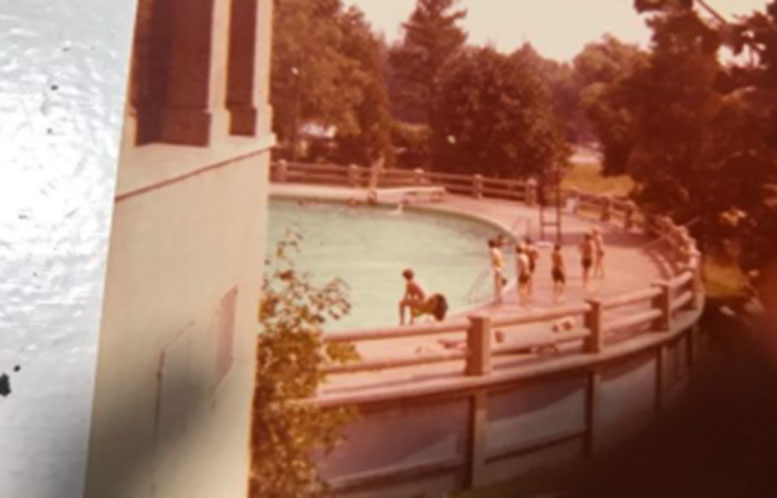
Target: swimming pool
{"points": [[368, 247]]}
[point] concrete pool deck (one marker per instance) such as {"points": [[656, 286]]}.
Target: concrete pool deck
{"points": [[630, 264]]}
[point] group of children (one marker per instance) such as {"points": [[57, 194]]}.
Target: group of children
{"points": [[527, 255], [418, 301]]}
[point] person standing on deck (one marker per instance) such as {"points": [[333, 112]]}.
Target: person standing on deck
{"points": [[497, 268], [533, 254], [524, 275], [587, 250], [596, 235], [558, 273]]}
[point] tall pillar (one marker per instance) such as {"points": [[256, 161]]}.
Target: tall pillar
{"points": [[249, 63], [194, 107]]}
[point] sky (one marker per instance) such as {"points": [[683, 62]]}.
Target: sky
{"points": [[557, 29]]}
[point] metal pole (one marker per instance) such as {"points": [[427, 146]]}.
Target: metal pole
{"points": [[557, 179], [295, 71]]}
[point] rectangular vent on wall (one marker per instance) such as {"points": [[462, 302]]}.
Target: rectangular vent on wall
{"points": [[225, 334]]}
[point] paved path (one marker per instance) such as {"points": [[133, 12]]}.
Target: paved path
{"points": [[631, 264]]}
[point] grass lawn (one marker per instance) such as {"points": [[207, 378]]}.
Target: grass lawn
{"points": [[723, 280], [588, 178]]}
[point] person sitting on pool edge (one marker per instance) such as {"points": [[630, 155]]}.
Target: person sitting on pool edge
{"points": [[414, 297], [419, 302]]}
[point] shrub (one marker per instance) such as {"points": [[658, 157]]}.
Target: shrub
{"points": [[287, 433]]}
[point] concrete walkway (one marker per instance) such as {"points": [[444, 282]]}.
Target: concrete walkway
{"points": [[631, 263]]}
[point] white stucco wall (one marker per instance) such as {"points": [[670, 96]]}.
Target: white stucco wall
{"points": [[63, 68], [166, 424]]}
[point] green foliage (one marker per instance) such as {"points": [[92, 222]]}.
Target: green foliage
{"points": [[413, 144], [564, 85], [332, 75], [604, 70], [704, 132], [286, 433], [372, 136], [589, 178], [493, 115], [432, 36]]}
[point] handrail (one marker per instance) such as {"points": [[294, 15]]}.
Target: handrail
{"points": [[631, 298], [560, 338], [394, 362], [628, 321], [379, 334], [559, 312]]}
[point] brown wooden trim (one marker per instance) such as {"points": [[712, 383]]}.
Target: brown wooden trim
{"points": [[395, 473], [534, 445], [177, 179]]}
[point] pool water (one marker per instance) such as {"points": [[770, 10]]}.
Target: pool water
{"points": [[368, 247]]}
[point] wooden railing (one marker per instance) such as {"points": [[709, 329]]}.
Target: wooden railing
{"points": [[655, 323], [359, 177]]}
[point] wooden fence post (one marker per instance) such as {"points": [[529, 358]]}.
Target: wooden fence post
{"points": [[282, 171], [478, 363], [695, 301], [353, 176], [479, 345], [477, 186], [628, 216], [418, 176], [591, 411], [530, 195], [664, 304], [692, 347], [594, 322], [606, 209], [661, 352], [476, 439]]}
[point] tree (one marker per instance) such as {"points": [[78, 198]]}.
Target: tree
{"points": [[290, 354], [432, 36], [675, 150], [493, 115], [703, 150], [753, 91], [371, 137], [603, 71], [332, 76], [412, 143]]}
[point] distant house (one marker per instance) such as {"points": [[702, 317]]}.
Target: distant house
{"points": [[316, 139]]}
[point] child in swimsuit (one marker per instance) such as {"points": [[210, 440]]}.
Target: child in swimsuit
{"points": [[558, 273], [587, 249], [414, 298], [524, 275], [533, 254], [598, 253], [497, 267]]}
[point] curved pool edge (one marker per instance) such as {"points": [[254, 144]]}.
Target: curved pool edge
{"points": [[341, 195]]}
